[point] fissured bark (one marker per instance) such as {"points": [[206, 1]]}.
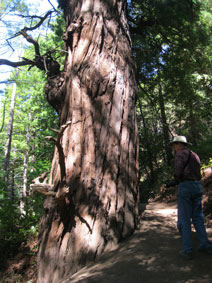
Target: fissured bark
{"points": [[96, 175]]}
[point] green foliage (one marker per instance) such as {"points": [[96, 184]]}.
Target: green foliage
{"points": [[9, 227], [33, 119], [172, 48], [204, 150], [16, 228], [55, 43], [13, 6]]}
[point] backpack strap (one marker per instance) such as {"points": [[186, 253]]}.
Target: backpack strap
{"points": [[189, 157]]}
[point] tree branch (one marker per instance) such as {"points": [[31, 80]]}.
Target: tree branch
{"points": [[49, 65], [16, 64], [42, 188], [42, 19], [31, 40], [52, 5], [60, 150]]}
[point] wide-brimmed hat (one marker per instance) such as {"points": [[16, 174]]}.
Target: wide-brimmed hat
{"points": [[180, 139]]}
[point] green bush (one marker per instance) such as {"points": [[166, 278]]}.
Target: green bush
{"points": [[17, 228]]}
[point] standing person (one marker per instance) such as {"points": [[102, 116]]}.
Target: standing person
{"points": [[187, 175]]}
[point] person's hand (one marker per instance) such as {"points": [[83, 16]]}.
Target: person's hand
{"points": [[172, 183]]}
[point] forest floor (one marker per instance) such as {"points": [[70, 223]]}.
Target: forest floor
{"points": [[150, 255]]}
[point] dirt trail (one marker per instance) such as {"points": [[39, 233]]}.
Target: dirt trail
{"points": [[151, 255]]}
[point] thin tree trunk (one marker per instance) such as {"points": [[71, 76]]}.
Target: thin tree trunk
{"points": [[95, 165], [147, 145], [164, 122], [26, 165], [193, 124], [12, 183], [9, 138], [3, 117]]}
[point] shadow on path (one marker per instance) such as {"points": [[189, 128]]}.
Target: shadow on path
{"points": [[151, 255]]}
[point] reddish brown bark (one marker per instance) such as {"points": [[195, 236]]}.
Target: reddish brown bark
{"points": [[96, 204]]}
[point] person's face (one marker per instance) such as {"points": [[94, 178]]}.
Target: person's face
{"points": [[177, 146]]}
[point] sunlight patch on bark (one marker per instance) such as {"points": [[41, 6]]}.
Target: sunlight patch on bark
{"points": [[87, 6], [93, 240]]}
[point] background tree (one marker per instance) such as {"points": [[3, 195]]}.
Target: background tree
{"points": [[19, 217], [173, 74], [9, 192]]}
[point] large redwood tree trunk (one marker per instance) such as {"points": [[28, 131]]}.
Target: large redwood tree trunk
{"points": [[95, 165]]}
